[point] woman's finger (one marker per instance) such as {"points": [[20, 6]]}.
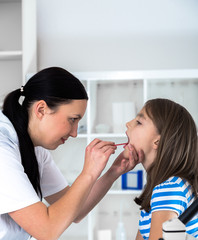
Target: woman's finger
{"points": [[141, 155], [100, 144], [132, 153], [104, 144]]}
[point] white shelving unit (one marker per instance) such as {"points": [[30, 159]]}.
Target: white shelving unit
{"points": [[17, 43], [18, 58], [104, 89]]}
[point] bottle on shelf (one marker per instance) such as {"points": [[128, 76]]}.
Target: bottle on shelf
{"points": [[120, 231]]}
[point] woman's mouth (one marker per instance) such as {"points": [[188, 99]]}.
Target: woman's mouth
{"points": [[63, 140]]}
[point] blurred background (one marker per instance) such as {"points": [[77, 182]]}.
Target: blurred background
{"points": [[98, 35]]}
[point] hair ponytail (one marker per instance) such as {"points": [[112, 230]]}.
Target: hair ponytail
{"points": [[18, 115]]}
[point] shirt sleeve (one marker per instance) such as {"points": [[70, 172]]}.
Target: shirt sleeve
{"points": [[168, 196], [16, 191], [52, 180]]}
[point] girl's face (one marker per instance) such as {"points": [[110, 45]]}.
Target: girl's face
{"points": [[143, 134], [49, 128]]}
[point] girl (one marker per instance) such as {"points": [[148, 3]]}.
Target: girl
{"points": [[54, 102], [167, 134]]}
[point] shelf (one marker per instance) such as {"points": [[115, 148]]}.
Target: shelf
{"points": [[10, 55], [82, 135], [124, 192], [12, 1], [107, 135], [133, 75], [102, 135], [73, 238], [107, 91]]}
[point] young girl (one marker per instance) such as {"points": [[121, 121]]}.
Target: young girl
{"points": [[167, 134]]}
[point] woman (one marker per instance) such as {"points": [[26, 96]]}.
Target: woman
{"points": [[54, 102], [167, 134]]}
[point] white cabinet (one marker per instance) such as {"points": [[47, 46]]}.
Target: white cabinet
{"points": [[17, 43], [105, 90]]}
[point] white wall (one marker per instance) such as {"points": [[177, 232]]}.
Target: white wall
{"points": [[93, 35]]}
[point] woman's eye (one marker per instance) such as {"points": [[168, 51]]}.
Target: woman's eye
{"points": [[138, 122], [72, 120]]}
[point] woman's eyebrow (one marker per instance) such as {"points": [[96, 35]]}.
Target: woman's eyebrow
{"points": [[78, 116]]}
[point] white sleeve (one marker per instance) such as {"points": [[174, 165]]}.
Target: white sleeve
{"points": [[16, 191], [52, 180]]}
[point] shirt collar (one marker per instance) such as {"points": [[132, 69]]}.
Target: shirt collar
{"points": [[7, 129]]}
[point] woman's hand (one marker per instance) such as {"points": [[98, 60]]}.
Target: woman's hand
{"points": [[96, 156], [127, 160]]}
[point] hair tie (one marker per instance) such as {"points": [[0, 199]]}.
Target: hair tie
{"points": [[22, 95], [22, 90]]}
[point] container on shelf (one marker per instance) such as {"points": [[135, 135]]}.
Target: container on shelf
{"points": [[133, 180], [122, 112]]}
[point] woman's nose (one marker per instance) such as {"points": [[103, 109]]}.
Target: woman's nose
{"points": [[73, 132]]}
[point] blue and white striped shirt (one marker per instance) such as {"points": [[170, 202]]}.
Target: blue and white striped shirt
{"points": [[174, 195]]}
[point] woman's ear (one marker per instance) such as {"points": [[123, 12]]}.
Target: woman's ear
{"points": [[40, 108]]}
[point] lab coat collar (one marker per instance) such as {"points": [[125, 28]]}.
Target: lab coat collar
{"points": [[7, 129]]}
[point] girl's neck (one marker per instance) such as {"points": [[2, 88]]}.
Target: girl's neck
{"points": [[149, 159]]}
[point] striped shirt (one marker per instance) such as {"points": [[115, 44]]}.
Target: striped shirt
{"points": [[174, 195]]}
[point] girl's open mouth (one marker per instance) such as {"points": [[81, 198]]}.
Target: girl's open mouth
{"points": [[122, 144]]}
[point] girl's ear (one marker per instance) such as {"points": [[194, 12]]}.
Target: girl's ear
{"points": [[156, 143], [40, 108]]}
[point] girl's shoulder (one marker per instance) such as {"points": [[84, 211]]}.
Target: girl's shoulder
{"points": [[173, 186], [171, 183], [174, 194]]}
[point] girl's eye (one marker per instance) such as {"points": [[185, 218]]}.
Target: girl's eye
{"points": [[138, 122]]}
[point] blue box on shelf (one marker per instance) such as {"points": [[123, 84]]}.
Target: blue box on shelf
{"points": [[132, 180]]}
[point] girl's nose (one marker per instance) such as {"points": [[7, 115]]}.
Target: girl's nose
{"points": [[130, 124]]}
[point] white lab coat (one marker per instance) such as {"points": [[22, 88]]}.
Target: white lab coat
{"points": [[16, 191]]}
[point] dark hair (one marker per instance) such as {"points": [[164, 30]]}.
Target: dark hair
{"points": [[177, 153], [55, 86]]}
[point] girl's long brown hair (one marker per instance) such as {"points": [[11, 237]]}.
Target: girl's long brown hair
{"points": [[177, 153]]}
